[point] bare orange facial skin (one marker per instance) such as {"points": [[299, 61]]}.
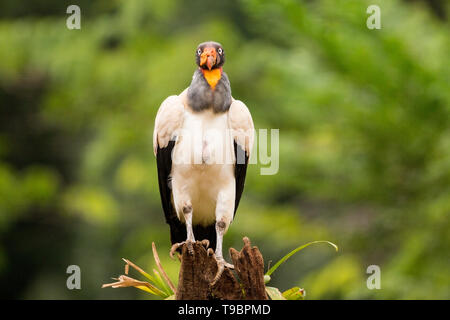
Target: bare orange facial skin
{"points": [[208, 56], [212, 76]]}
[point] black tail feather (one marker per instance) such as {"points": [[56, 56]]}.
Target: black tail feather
{"points": [[208, 232], [178, 233]]}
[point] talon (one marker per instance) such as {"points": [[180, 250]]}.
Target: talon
{"points": [[205, 243], [174, 248], [210, 252], [221, 264], [220, 270]]}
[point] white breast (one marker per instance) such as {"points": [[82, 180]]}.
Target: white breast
{"points": [[203, 164]]}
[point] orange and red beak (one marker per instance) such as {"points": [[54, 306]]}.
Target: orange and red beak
{"points": [[208, 57]]}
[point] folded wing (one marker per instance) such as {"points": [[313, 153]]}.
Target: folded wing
{"points": [[168, 122], [242, 129]]}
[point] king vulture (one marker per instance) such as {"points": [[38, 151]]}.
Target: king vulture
{"points": [[202, 141]]}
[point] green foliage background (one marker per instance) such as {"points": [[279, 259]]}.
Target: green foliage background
{"points": [[364, 119]]}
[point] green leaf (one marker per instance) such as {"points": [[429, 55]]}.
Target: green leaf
{"points": [[146, 289], [160, 283], [290, 291], [274, 293], [294, 293], [275, 267], [153, 290]]}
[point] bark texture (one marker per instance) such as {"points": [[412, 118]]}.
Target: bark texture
{"points": [[245, 282]]}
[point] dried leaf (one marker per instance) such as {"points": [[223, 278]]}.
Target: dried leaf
{"points": [[163, 273], [125, 281]]}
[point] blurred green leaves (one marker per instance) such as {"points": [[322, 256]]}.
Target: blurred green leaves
{"points": [[35, 187], [92, 204]]}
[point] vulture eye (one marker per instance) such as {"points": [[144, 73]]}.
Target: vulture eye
{"points": [[220, 51], [199, 51]]}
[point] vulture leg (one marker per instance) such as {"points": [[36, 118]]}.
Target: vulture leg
{"points": [[221, 263], [187, 213], [224, 215]]}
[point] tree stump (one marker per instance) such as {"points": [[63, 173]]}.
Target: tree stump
{"points": [[197, 272]]}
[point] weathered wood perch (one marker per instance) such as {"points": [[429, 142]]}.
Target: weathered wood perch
{"points": [[197, 272]]}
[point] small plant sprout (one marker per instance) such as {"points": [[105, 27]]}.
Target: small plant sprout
{"points": [[158, 284], [294, 293]]}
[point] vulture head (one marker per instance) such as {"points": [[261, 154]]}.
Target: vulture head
{"points": [[210, 55]]}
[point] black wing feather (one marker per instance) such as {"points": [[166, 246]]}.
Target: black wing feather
{"points": [[240, 172], [164, 164]]}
